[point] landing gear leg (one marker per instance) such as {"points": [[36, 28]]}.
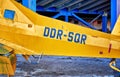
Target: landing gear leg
{"points": [[115, 69]]}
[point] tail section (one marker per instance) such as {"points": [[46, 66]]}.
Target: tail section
{"points": [[116, 30]]}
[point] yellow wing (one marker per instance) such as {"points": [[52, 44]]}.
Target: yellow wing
{"points": [[31, 34]]}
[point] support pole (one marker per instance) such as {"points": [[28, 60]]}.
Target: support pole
{"points": [[113, 13], [66, 18], [31, 4]]}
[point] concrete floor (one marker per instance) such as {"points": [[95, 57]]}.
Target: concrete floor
{"points": [[52, 66]]}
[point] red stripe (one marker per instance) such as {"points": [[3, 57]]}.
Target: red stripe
{"points": [[110, 46]]}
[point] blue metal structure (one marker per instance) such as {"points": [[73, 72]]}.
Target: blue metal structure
{"points": [[95, 18], [104, 22], [83, 21], [113, 13], [70, 7], [30, 4], [76, 6]]}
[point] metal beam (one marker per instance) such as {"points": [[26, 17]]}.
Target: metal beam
{"points": [[65, 4], [52, 9], [44, 2], [57, 15], [40, 8], [52, 4], [100, 7], [80, 5], [67, 14], [95, 18], [71, 3], [31, 4], [61, 3], [94, 4], [63, 13], [83, 21]]}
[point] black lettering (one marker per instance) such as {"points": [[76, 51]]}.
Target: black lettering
{"points": [[59, 34], [46, 31], [70, 36], [77, 38], [83, 39], [52, 33]]}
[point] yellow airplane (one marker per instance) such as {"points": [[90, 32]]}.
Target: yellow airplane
{"points": [[25, 32]]}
